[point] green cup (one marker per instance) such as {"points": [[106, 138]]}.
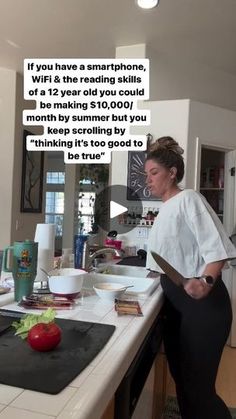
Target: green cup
{"points": [[24, 266]]}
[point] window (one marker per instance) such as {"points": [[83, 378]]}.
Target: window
{"points": [[86, 211], [56, 178], [54, 208]]}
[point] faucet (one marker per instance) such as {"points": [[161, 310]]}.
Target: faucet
{"points": [[88, 258]]}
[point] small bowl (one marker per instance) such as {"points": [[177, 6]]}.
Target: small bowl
{"points": [[109, 291], [66, 282]]}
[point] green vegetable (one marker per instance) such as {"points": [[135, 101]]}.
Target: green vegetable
{"points": [[28, 321]]}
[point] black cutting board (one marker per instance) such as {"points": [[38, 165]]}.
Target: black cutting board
{"points": [[50, 372]]}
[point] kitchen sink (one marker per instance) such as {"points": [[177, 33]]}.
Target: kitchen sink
{"points": [[125, 275], [135, 271]]}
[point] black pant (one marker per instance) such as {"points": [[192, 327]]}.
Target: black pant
{"points": [[195, 333]]}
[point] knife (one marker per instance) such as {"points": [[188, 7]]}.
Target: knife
{"points": [[171, 272]]}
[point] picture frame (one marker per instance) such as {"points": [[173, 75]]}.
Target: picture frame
{"points": [[31, 179]]}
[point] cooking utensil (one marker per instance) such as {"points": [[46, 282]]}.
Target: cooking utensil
{"points": [[53, 271], [171, 272], [45, 272], [125, 288]]}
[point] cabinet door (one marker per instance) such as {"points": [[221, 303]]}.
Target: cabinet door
{"points": [[230, 192], [212, 177], [197, 173], [229, 275]]}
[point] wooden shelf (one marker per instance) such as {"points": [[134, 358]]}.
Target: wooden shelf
{"points": [[212, 179]]}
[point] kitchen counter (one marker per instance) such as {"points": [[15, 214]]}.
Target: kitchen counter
{"points": [[88, 395]]}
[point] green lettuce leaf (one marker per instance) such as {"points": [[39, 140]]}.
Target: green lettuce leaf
{"points": [[29, 320]]}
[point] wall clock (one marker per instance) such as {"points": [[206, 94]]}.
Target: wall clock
{"points": [[136, 179]]}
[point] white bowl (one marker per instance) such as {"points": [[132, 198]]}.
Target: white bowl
{"points": [[66, 282], [109, 291]]}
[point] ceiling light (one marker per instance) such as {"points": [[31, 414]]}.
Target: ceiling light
{"points": [[147, 4]]}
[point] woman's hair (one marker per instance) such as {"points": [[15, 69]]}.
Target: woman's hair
{"points": [[167, 152]]}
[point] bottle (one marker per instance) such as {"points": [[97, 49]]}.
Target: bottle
{"points": [[133, 219], [221, 177], [138, 219], [143, 221], [121, 218], [149, 217], [79, 244], [125, 215], [129, 218]]}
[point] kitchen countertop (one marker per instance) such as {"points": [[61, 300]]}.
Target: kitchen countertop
{"points": [[88, 395]]}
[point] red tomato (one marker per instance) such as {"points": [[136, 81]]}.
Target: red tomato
{"points": [[44, 336]]}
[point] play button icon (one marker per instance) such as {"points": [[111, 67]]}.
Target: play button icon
{"points": [[113, 211], [116, 209]]}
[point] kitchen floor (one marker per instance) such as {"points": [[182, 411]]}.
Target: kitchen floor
{"points": [[226, 379]]}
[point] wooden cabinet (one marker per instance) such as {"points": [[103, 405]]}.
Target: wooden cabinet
{"points": [[152, 400], [212, 179], [109, 412], [159, 388]]}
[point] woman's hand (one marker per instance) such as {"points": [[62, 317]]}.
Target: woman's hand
{"points": [[196, 288]]}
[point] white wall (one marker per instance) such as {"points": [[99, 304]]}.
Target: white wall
{"points": [[174, 77], [14, 224], [22, 224], [7, 132], [213, 126]]}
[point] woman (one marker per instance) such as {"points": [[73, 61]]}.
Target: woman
{"points": [[189, 235]]}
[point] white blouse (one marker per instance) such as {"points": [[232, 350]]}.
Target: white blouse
{"points": [[189, 235]]}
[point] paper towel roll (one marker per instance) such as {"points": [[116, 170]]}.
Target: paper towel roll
{"points": [[45, 236], [45, 261]]}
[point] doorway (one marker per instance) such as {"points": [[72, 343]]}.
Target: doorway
{"points": [[212, 179]]}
